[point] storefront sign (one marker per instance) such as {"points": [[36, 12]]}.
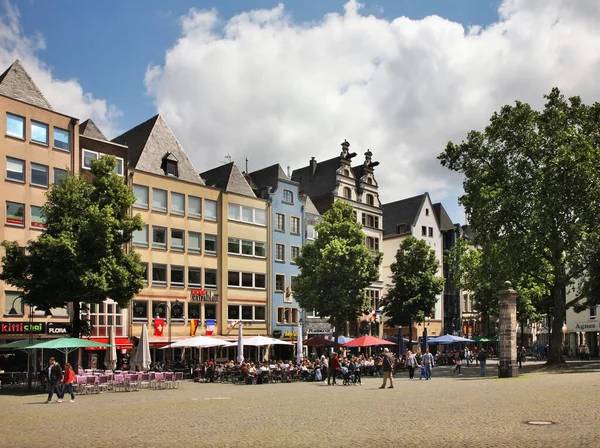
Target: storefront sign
{"points": [[59, 328], [276, 334], [289, 334], [202, 295], [22, 328], [588, 326]]}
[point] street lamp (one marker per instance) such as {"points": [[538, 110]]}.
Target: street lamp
{"points": [[564, 330], [174, 309], [13, 311]]}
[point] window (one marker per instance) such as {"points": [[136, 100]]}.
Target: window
{"points": [[140, 237], [159, 237], [279, 282], [247, 214], [347, 193], [119, 167], [347, 173], [423, 231], [245, 312], [245, 280], [210, 244], [293, 281], [279, 222], [159, 200], [294, 253], [210, 210], [260, 281], [61, 139], [287, 316], [234, 212], [194, 277], [140, 310], [247, 247], [250, 215], [145, 272], [15, 126], [177, 240], [210, 311], [36, 219], [312, 314], [260, 217], [233, 312], [295, 225], [233, 246], [431, 231], [370, 199], [426, 212], [194, 242], [88, 156], [369, 181], [372, 243], [177, 204], [11, 297], [15, 169], [194, 207], [260, 249], [193, 311], [177, 276], [210, 278], [159, 309], [311, 233], [141, 196], [169, 166], [279, 252], [39, 132], [58, 173], [259, 313], [593, 313], [370, 221], [39, 175], [15, 213], [288, 196], [159, 274]]}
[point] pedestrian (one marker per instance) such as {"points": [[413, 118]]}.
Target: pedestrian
{"points": [[410, 363], [324, 364], [388, 363], [54, 377], [68, 381], [428, 363], [334, 368], [482, 357], [458, 362]]}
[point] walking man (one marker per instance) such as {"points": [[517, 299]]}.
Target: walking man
{"points": [[54, 376], [388, 363], [482, 357], [428, 363]]}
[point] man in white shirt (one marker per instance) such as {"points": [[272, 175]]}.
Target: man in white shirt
{"points": [[428, 363]]}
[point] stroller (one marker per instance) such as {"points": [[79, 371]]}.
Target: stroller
{"points": [[346, 377]]}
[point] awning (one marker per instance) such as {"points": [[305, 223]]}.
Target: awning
{"points": [[121, 343]]}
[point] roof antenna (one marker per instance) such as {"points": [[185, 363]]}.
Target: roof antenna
{"points": [[227, 159]]}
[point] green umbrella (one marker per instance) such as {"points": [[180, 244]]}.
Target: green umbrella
{"points": [[482, 339], [67, 345], [16, 345]]}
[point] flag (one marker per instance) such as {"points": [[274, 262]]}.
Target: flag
{"points": [[232, 324], [210, 327], [193, 326], [159, 325], [372, 315]]}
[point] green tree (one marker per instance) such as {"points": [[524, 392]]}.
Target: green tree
{"points": [[80, 256], [415, 285], [532, 193], [336, 268]]}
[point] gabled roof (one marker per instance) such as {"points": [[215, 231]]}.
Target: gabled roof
{"points": [[323, 181], [89, 129], [228, 178], [16, 83], [267, 177], [149, 143], [441, 216], [405, 211], [310, 207]]}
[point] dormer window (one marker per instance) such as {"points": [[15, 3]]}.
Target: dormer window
{"points": [[169, 165], [347, 193], [370, 199], [347, 173], [369, 181]]}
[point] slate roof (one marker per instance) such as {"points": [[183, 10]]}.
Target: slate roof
{"points": [[16, 83], [149, 143], [310, 207], [405, 211], [322, 182], [267, 177], [441, 216], [228, 178], [89, 129]]}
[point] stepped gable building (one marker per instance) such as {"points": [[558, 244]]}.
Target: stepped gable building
{"points": [[336, 179], [245, 252], [39, 145], [415, 217]]}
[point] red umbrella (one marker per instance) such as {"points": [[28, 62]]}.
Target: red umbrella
{"points": [[367, 341], [319, 341]]}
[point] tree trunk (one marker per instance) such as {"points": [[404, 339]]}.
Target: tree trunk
{"points": [[555, 351], [75, 328]]}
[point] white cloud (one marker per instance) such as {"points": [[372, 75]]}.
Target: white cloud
{"points": [[65, 96], [261, 86]]}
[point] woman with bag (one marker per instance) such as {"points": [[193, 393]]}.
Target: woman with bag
{"points": [[410, 363]]}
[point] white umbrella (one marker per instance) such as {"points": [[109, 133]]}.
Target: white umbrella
{"points": [[258, 341], [240, 344], [200, 342], [141, 357], [299, 355], [110, 358]]}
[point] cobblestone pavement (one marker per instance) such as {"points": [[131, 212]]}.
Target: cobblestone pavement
{"points": [[448, 411]]}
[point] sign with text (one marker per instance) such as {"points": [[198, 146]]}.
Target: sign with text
{"points": [[22, 328], [289, 334], [59, 328], [202, 295]]}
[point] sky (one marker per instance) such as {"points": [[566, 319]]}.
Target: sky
{"points": [[282, 82]]}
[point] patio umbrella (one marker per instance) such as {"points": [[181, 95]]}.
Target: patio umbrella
{"points": [[18, 345], [110, 358], [66, 345], [401, 347], [200, 342], [240, 344], [343, 339], [299, 355], [141, 357], [259, 341], [449, 339], [482, 339], [319, 341], [367, 341]]}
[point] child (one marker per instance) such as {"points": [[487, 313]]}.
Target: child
{"points": [[422, 374]]}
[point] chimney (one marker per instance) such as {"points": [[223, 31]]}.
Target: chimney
{"points": [[288, 172], [313, 166]]}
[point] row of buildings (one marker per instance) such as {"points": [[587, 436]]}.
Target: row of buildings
{"points": [[218, 246]]}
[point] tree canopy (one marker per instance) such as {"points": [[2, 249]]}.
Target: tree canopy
{"points": [[532, 194], [336, 268], [80, 256], [415, 285]]}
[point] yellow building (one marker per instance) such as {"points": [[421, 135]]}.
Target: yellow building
{"points": [[38, 146]]}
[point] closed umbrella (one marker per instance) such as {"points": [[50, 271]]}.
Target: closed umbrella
{"points": [[240, 356], [299, 355], [141, 357], [110, 358], [401, 346]]}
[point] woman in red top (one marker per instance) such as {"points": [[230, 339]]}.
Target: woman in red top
{"points": [[334, 368], [68, 381]]}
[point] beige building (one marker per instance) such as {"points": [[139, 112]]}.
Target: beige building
{"points": [[38, 146]]}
